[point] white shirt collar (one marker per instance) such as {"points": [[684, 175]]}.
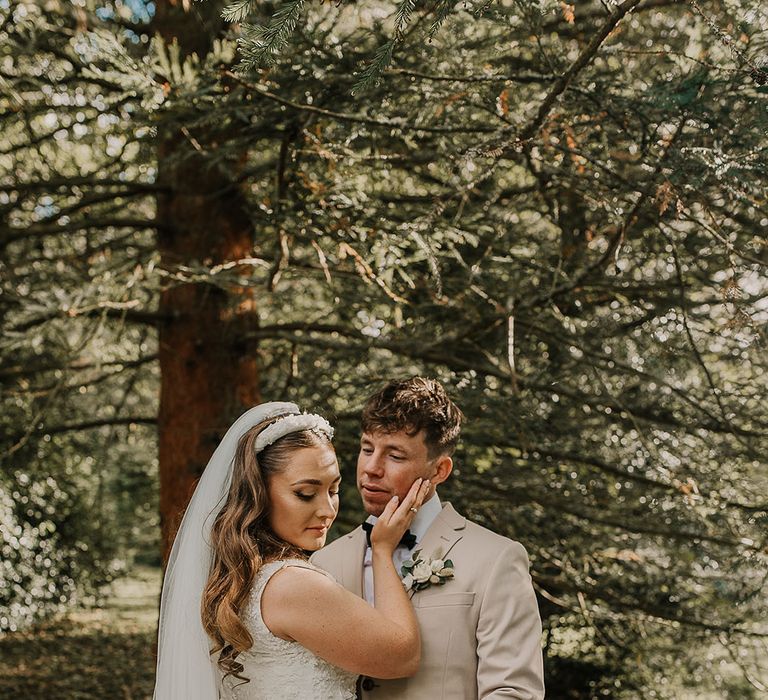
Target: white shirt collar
{"points": [[424, 518]]}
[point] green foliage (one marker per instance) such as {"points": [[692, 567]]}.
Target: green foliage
{"points": [[39, 566], [383, 57], [77, 489], [571, 241], [371, 73], [261, 44], [443, 10], [237, 11]]}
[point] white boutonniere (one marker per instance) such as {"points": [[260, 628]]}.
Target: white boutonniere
{"points": [[422, 572]]}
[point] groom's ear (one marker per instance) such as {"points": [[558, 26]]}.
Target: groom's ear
{"points": [[443, 469]]}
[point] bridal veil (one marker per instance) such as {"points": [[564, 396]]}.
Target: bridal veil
{"points": [[185, 670]]}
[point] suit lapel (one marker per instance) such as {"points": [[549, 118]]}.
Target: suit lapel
{"points": [[352, 565], [446, 530], [443, 533]]}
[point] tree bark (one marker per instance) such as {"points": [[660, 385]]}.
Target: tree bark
{"points": [[209, 374]]}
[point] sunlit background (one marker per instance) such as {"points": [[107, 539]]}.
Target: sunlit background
{"points": [[557, 210]]}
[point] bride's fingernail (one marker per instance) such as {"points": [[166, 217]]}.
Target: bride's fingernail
{"points": [[396, 499]]}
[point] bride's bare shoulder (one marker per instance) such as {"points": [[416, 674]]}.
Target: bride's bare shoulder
{"points": [[298, 580], [295, 596]]}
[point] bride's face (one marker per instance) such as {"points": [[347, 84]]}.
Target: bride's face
{"points": [[304, 497]]}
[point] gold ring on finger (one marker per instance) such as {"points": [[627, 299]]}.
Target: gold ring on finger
{"points": [[414, 510]]}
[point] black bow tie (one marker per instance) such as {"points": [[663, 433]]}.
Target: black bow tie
{"points": [[407, 540]]}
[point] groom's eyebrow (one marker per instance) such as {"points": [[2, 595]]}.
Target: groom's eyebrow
{"points": [[395, 446], [392, 446]]}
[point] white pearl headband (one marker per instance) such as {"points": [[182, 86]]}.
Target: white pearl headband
{"points": [[292, 424]]}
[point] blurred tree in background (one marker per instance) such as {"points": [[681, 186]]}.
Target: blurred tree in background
{"points": [[557, 210], [78, 479]]}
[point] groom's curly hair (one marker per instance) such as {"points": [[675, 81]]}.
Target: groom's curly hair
{"points": [[413, 405]]}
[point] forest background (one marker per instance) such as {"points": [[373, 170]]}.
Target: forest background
{"points": [[557, 210]]}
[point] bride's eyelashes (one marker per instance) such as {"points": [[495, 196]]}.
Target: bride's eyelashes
{"points": [[310, 496]]}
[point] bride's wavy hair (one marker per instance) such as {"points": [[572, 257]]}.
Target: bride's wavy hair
{"points": [[241, 541]]}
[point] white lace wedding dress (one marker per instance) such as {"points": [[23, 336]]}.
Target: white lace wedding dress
{"points": [[278, 669]]}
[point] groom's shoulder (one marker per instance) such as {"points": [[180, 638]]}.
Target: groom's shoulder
{"points": [[336, 548]]}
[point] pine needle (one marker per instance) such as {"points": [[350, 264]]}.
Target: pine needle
{"points": [[237, 11], [260, 45], [371, 73]]}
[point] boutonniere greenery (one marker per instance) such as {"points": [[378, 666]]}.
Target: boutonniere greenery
{"points": [[422, 572]]}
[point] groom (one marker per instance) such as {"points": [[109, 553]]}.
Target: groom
{"points": [[480, 629]]}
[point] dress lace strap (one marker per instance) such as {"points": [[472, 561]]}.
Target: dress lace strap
{"points": [[268, 570]]}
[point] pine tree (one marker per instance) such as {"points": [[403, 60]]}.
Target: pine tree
{"points": [[557, 210]]}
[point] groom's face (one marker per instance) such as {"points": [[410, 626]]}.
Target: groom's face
{"points": [[388, 464]]}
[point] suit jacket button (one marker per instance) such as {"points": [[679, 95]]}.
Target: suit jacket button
{"points": [[368, 684]]}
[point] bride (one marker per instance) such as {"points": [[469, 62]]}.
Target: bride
{"points": [[243, 614]]}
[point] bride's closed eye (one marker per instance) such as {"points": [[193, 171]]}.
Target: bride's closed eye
{"points": [[310, 496]]}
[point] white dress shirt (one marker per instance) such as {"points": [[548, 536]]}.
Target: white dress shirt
{"points": [[427, 513]]}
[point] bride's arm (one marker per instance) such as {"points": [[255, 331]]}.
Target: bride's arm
{"points": [[340, 627]]}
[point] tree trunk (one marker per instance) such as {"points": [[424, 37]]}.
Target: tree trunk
{"points": [[208, 374]]}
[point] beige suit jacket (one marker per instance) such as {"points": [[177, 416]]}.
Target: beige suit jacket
{"points": [[480, 631]]}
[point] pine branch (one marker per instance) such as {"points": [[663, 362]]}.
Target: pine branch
{"points": [[343, 338], [403, 17], [386, 123], [442, 10], [383, 56], [124, 312], [27, 372], [642, 528], [88, 425], [434, 268], [64, 183], [476, 78], [370, 75], [237, 11], [17, 233], [39, 390], [260, 45], [586, 14]]}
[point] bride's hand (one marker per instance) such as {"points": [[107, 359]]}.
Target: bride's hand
{"points": [[397, 517]]}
